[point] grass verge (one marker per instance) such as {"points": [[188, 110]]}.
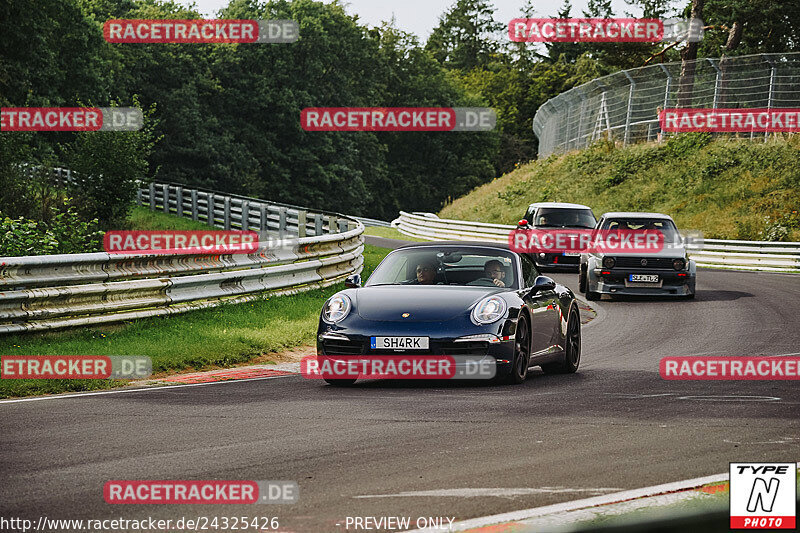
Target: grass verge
{"points": [[218, 337], [389, 233], [728, 188], [714, 497], [142, 219]]}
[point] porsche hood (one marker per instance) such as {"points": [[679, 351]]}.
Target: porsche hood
{"points": [[423, 303]]}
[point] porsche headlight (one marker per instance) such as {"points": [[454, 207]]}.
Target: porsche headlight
{"points": [[678, 264], [336, 308], [488, 310]]}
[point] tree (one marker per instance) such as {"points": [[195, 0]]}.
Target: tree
{"points": [[466, 36], [740, 27], [109, 166], [688, 60], [568, 52]]}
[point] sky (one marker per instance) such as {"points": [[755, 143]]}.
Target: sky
{"points": [[421, 16]]}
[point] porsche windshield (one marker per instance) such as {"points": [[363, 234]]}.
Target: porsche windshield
{"points": [[447, 266]]}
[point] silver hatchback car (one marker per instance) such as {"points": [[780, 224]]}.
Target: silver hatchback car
{"points": [[667, 271]]}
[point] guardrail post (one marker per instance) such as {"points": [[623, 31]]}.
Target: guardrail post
{"points": [[262, 218], [717, 80], [210, 205], [317, 224], [165, 193], [226, 217], [301, 223], [667, 86], [282, 222], [580, 134], [245, 215], [771, 94], [179, 201], [139, 196], [194, 204], [331, 224], [152, 188], [630, 109]]}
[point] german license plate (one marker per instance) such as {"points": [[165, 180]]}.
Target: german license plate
{"points": [[399, 343], [572, 254], [644, 278]]}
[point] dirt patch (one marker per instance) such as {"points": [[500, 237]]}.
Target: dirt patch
{"points": [[291, 355]]}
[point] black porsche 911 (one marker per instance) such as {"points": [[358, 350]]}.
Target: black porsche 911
{"points": [[456, 299]]}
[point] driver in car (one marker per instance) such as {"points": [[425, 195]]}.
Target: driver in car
{"points": [[426, 272], [494, 270]]}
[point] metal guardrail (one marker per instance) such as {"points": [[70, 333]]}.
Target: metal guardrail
{"points": [[311, 250], [232, 211], [713, 253], [624, 106], [64, 176]]}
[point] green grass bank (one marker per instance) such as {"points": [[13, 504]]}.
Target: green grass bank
{"points": [[726, 187]]}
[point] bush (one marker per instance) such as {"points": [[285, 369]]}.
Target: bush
{"points": [[109, 166], [66, 233]]}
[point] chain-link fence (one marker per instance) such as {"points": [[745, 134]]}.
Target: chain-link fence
{"points": [[624, 106]]}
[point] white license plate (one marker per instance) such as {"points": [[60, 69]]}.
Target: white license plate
{"points": [[572, 254], [644, 278], [399, 343]]}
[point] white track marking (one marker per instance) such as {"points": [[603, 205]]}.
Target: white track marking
{"points": [[732, 398], [781, 440], [567, 507], [591, 513], [486, 492], [148, 389]]}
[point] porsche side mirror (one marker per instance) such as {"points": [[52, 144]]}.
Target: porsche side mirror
{"points": [[353, 282], [522, 224], [541, 284]]}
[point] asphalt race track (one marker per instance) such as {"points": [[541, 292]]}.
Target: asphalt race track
{"points": [[614, 425]]}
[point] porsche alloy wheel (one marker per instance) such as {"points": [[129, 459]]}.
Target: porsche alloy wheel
{"points": [[572, 347], [522, 351]]}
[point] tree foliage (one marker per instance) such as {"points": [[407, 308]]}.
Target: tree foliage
{"points": [[227, 116]]}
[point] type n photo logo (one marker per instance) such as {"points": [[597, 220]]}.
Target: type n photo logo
{"points": [[763, 495]]}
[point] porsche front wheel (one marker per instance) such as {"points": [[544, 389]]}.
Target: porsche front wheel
{"points": [[572, 347], [522, 351]]}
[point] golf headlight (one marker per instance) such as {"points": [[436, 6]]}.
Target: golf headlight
{"points": [[488, 310], [678, 264], [609, 262], [336, 308]]}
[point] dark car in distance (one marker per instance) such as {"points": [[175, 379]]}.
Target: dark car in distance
{"points": [[476, 299], [557, 216]]}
